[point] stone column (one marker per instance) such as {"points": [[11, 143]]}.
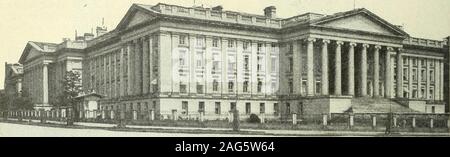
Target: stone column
{"points": [[410, 78], [45, 84], [437, 84], [427, 88], [137, 67], [376, 71], [441, 80], [338, 69], [399, 74], [310, 66], [121, 72], [363, 78], [297, 73], [388, 73], [325, 67], [150, 63], [419, 79], [145, 72], [129, 69], [351, 69]]}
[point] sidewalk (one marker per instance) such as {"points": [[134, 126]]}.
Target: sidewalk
{"points": [[247, 131]]}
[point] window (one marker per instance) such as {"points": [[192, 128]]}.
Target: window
{"points": [[260, 47], [231, 63], [183, 88], [433, 109], [230, 43], [415, 62], [245, 46], [182, 58], [291, 86], [431, 75], [288, 108], [246, 63], [276, 109], [262, 108], [182, 40], [248, 108], [423, 75], [291, 64], [405, 74], [414, 75], [232, 106], [199, 59], [245, 87], [199, 88], [273, 66], [217, 108], [260, 86], [200, 41], [230, 86], [138, 108], [184, 108], [291, 48], [201, 106], [431, 94], [215, 42], [215, 86], [260, 61]]}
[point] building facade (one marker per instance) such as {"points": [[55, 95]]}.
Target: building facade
{"points": [[13, 79], [191, 60]]}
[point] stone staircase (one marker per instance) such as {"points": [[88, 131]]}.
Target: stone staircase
{"points": [[378, 105]]}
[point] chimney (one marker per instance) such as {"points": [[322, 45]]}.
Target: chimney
{"points": [[217, 8], [270, 12], [88, 36], [101, 31]]}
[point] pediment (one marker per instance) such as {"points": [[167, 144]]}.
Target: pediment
{"points": [[33, 53], [135, 16], [362, 21]]}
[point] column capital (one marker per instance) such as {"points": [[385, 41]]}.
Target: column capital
{"points": [[352, 44], [310, 40], [326, 41], [390, 49], [377, 47], [339, 43], [365, 45]]}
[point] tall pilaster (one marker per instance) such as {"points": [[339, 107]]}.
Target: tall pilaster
{"points": [[297, 79], [410, 78], [399, 73], [138, 67], [376, 71], [351, 69], [428, 86], [338, 69], [363, 76], [437, 84], [310, 66], [325, 67]]}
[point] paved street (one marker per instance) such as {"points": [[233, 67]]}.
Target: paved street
{"points": [[20, 130]]}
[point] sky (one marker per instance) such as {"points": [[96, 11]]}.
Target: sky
{"points": [[52, 20]]}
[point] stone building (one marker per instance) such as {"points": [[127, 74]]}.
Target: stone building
{"points": [[186, 60], [13, 79]]}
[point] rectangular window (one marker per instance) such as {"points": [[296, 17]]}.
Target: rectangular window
{"points": [[184, 108], [291, 65], [182, 58], [291, 86], [183, 88], [231, 63], [230, 86], [245, 87], [288, 108], [431, 75], [217, 108], [230, 43], [273, 66], [199, 58], [201, 106], [260, 47], [200, 41], [248, 108], [182, 40], [262, 108], [215, 43], [215, 86], [260, 61], [276, 109], [414, 75], [199, 88], [246, 63], [246, 46], [232, 106], [259, 88]]}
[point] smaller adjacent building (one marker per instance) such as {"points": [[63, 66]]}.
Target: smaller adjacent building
{"points": [[13, 79]]}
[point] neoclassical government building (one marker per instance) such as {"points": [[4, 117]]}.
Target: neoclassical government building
{"points": [[169, 58]]}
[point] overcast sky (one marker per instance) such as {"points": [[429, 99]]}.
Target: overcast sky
{"points": [[51, 20]]}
